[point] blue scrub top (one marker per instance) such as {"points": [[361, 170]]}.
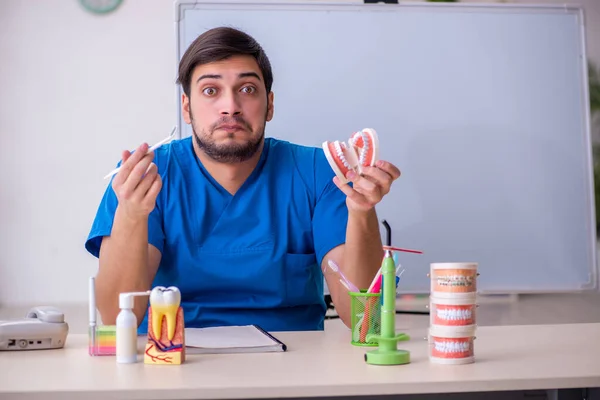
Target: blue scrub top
{"points": [[249, 258]]}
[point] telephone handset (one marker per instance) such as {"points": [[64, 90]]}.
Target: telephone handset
{"points": [[43, 327]]}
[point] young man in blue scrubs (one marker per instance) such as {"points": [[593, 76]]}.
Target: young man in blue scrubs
{"points": [[240, 223]]}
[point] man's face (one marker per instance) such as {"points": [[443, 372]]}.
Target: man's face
{"points": [[228, 108]]}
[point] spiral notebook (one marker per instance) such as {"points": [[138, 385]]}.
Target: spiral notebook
{"points": [[231, 339]]}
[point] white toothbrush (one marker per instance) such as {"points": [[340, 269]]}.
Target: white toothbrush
{"points": [[349, 285], [154, 147]]}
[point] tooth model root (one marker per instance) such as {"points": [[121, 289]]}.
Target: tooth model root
{"points": [[169, 312]]}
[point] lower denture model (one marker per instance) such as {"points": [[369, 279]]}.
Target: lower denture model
{"points": [[452, 312], [361, 150], [451, 346]]}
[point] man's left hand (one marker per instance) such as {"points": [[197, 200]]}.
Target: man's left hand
{"points": [[369, 188]]}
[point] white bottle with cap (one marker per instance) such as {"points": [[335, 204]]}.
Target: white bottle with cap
{"points": [[127, 329]]}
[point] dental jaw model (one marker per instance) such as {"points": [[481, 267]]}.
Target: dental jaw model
{"points": [[361, 150], [452, 312], [166, 340]]}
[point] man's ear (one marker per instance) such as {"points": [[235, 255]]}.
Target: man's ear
{"points": [[270, 106], [185, 108]]}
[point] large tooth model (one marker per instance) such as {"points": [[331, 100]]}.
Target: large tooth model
{"points": [[165, 303], [166, 341]]}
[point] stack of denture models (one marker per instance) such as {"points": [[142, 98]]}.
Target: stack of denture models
{"points": [[452, 306]]}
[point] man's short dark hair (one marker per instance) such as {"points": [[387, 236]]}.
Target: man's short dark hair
{"points": [[219, 44]]}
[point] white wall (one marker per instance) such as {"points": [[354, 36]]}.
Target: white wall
{"points": [[76, 89]]}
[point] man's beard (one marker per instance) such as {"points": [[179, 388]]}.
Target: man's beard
{"points": [[232, 153]]}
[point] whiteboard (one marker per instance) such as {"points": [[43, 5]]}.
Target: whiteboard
{"points": [[483, 108]]}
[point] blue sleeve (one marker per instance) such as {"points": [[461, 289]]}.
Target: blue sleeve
{"points": [[330, 216], [103, 222]]}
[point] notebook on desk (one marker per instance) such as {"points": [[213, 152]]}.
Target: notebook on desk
{"points": [[231, 339]]}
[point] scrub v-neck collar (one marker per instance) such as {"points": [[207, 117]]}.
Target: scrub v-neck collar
{"points": [[254, 175]]}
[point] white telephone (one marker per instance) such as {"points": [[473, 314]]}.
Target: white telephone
{"points": [[44, 327]]}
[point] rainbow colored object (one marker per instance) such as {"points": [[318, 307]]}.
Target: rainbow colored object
{"points": [[106, 341]]}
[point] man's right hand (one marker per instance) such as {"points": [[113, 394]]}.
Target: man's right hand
{"points": [[137, 183], [128, 262]]}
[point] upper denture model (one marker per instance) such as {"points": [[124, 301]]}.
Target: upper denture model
{"points": [[361, 150]]}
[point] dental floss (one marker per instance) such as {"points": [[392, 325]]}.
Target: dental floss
{"points": [[127, 328]]}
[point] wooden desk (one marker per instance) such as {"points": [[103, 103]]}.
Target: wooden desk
{"points": [[317, 364]]}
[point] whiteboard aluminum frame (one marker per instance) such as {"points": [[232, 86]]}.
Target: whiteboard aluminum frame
{"points": [[180, 6]]}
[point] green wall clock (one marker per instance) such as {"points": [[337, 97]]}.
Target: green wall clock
{"points": [[100, 6]]}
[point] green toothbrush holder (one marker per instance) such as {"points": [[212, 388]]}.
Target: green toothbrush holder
{"points": [[365, 317]]}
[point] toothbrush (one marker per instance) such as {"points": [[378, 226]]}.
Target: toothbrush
{"points": [[154, 147], [336, 269], [92, 316], [398, 275], [376, 283]]}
